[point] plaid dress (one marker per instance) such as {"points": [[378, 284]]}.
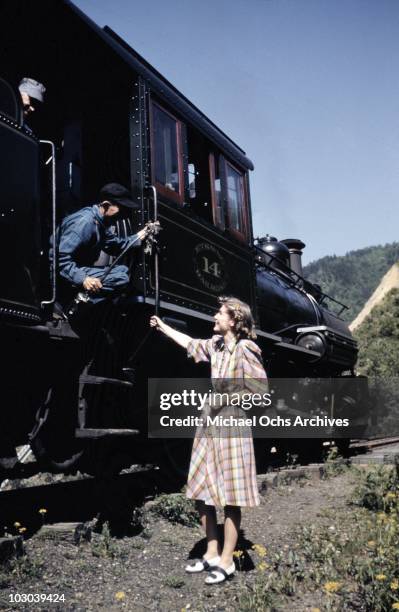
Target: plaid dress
{"points": [[222, 469]]}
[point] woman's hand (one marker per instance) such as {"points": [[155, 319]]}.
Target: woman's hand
{"points": [[157, 323], [178, 337]]}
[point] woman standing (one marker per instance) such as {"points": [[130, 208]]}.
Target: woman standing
{"points": [[222, 469]]}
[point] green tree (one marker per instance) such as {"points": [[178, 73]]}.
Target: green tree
{"points": [[353, 277]]}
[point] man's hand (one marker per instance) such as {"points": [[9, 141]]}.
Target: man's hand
{"points": [[92, 284], [142, 233], [148, 229]]}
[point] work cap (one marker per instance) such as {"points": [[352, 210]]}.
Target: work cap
{"points": [[33, 88], [117, 194]]}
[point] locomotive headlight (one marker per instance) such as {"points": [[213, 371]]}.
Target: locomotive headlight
{"points": [[313, 341]]}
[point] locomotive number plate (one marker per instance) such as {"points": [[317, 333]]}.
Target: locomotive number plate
{"points": [[209, 266]]}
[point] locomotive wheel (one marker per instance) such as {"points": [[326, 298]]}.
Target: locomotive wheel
{"points": [[54, 458]]}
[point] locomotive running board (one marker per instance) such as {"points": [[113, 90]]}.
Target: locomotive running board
{"points": [[298, 350], [96, 434], [200, 315], [271, 337]]}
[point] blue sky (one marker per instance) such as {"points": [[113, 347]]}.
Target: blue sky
{"points": [[308, 88]]}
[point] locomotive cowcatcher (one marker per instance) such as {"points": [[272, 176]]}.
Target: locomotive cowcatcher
{"points": [[110, 116]]}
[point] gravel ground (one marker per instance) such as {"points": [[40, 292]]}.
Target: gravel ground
{"points": [[146, 571]]}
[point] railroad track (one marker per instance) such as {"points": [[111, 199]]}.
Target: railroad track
{"points": [[359, 446], [81, 499], [374, 443]]}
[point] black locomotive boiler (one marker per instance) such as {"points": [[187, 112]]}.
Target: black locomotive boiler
{"points": [[110, 116]]}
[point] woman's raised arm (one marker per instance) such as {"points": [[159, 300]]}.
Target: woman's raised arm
{"points": [[178, 337]]}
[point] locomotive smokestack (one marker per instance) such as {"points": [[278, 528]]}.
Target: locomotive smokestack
{"points": [[295, 247]]}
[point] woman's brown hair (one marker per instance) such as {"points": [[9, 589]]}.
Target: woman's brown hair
{"points": [[241, 314]]}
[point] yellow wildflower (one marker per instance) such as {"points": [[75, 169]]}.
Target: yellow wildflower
{"points": [[42, 511], [380, 577], [22, 529], [237, 554], [381, 516], [395, 605], [332, 587], [263, 566], [390, 495], [371, 543], [16, 524], [260, 550], [394, 585], [120, 595], [315, 610]]}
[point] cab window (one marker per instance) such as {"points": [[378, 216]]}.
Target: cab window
{"points": [[166, 153], [229, 197], [236, 201], [216, 190], [199, 197]]}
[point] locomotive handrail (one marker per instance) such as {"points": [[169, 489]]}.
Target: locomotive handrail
{"points": [[53, 226], [313, 301], [153, 189], [298, 280]]}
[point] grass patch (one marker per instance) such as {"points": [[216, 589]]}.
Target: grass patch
{"points": [[377, 488], [174, 582], [20, 569], [286, 480], [351, 560], [104, 545], [334, 464], [175, 508]]}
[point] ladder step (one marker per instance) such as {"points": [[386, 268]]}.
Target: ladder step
{"points": [[61, 329], [94, 434], [88, 379]]}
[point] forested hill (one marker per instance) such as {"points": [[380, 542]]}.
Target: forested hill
{"points": [[378, 338], [353, 277]]}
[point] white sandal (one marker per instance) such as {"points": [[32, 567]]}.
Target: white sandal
{"points": [[218, 574], [203, 565]]}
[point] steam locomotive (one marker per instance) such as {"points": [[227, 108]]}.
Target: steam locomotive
{"points": [[110, 116]]}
